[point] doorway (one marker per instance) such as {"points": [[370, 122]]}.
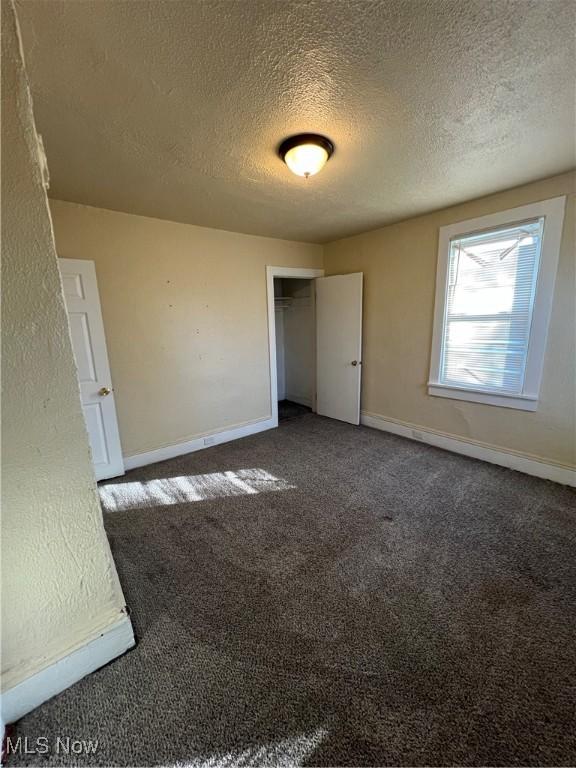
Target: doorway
{"points": [[291, 306], [315, 341], [295, 346]]}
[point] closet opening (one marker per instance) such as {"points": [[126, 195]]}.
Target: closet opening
{"points": [[295, 325]]}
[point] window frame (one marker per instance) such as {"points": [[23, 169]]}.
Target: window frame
{"points": [[552, 211]]}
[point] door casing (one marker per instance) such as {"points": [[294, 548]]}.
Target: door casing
{"points": [[302, 273]]}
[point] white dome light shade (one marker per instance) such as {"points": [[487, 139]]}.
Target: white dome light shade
{"points": [[306, 160], [306, 154]]}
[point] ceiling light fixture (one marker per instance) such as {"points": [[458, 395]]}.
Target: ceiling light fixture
{"points": [[306, 153]]}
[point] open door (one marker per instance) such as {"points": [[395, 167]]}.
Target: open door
{"points": [[339, 346], [89, 345]]}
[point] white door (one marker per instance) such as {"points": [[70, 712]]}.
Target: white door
{"points": [[339, 346], [89, 345]]}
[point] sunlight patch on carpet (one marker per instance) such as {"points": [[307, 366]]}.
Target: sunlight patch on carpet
{"points": [[286, 753], [118, 496]]}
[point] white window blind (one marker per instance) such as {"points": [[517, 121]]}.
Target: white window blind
{"points": [[490, 292]]}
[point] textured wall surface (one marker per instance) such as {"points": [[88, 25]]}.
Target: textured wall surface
{"points": [[185, 317], [399, 265], [175, 109], [59, 583]]}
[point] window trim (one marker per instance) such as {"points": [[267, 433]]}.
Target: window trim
{"points": [[553, 213]]}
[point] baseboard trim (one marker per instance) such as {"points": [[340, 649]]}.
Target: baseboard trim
{"points": [[197, 444], [558, 473], [29, 694]]}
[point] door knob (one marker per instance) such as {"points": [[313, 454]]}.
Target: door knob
{"points": [[355, 362], [104, 391]]}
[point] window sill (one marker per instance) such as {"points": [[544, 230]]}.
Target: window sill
{"points": [[519, 402]]}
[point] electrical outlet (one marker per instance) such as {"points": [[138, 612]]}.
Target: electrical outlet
{"points": [[209, 440]]}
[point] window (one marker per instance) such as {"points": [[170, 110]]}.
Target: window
{"points": [[494, 291]]}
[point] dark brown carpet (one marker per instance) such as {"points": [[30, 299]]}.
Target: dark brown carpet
{"points": [[289, 410], [330, 595]]}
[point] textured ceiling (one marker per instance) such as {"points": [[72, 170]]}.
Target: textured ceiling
{"points": [[175, 109]]}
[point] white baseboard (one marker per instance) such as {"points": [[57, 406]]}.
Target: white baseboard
{"points": [[307, 401], [559, 473], [197, 444], [29, 694]]}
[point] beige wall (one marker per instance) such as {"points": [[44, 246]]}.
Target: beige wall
{"points": [[59, 584], [399, 265], [185, 317]]}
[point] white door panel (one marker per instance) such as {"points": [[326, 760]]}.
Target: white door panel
{"points": [[95, 425], [82, 346], [89, 345], [339, 346]]}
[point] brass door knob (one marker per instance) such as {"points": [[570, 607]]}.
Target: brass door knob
{"points": [[104, 391]]}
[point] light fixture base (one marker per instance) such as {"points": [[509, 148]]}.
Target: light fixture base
{"points": [[305, 138]]}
